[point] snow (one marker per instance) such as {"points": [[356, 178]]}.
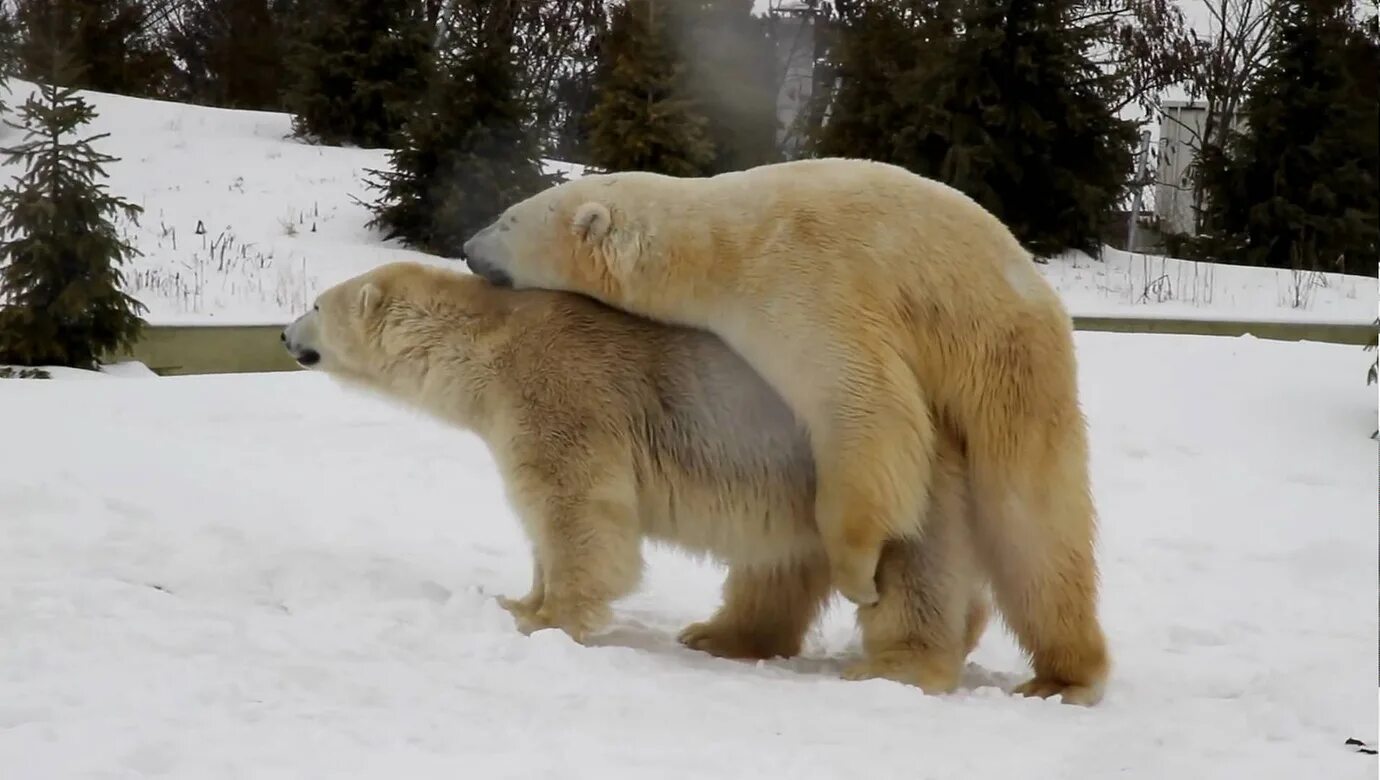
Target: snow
{"points": [[122, 369], [1123, 284], [270, 576], [282, 220]]}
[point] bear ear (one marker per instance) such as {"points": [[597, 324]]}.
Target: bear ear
{"points": [[592, 221], [370, 296]]}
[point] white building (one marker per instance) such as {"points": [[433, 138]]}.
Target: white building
{"points": [[1180, 131]]}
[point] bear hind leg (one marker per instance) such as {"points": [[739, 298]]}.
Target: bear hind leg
{"points": [[932, 609], [1038, 550], [766, 611]]}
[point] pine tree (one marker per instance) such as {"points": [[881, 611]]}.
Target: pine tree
{"points": [[732, 78], [571, 94], [558, 43], [9, 42], [644, 119], [61, 301], [573, 97], [113, 41], [358, 70], [1004, 106], [467, 151], [1298, 188], [883, 57], [1029, 136], [230, 53]]}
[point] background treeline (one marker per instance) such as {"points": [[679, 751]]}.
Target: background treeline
{"points": [[1032, 107]]}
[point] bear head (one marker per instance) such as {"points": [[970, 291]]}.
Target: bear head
{"points": [[598, 235], [341, 332], [368, 325]]}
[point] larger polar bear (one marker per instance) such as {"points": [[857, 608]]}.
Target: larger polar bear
{"points": [[881, 305], [609, 429]]}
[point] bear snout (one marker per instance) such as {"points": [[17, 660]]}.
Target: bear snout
{"points": [[485, 269], [305, 356], [477, 254], [489, 273]]}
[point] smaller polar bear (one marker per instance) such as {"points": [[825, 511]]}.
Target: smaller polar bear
{"points": [[610, 429]]}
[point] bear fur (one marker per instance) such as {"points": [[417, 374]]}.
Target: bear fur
{"points": [[610, 429], [883, 307]]}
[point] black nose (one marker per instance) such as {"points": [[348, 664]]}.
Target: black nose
{"points": [[308, 357], [283, 336], [495, 276]]}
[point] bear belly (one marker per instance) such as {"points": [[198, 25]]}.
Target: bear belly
{"points": [[742, 524]]}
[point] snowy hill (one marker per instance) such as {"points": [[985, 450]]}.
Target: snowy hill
{"points": [[279, 222], [267, 576], [279, 218]]}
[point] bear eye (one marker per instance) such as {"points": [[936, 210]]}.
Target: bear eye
{"points": [[316, 307]]}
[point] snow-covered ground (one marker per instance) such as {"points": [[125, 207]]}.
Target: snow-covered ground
{"points": [[1123, 284], [268, 576], [280, 221]]}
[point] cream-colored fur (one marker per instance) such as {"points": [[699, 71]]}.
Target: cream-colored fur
{"points": [[882, 306], [610, 429]]}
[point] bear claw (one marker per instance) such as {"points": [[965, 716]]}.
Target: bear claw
{"points": [[725, 642], [1044, 688], [909, 669]]}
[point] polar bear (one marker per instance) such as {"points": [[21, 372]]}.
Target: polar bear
{"points": [[881, 306], [610, 429]]}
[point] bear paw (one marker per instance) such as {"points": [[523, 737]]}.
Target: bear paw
{"points": [[919, 669], [523, 606], [724, 641], [1044, 688], [856, 578], [579, 624]]}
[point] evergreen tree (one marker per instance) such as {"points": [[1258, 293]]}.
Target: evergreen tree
{"points": [[9, 42], [113, 41], [558, 42], [644, 119], [468, 151], [570, 94], [61, 301], [1029, 136], [1298, 188], [573, 97], [883, 58], [358, 70], [230, 53], [732, 78], [1004, 105]]}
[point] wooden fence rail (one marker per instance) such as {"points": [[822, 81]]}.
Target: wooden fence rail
{"points": [[218, 349]]}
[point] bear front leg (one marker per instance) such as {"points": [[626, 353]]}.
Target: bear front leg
{"points": [[591, 555], [526, 606], [873, 458], [766, 611]]}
